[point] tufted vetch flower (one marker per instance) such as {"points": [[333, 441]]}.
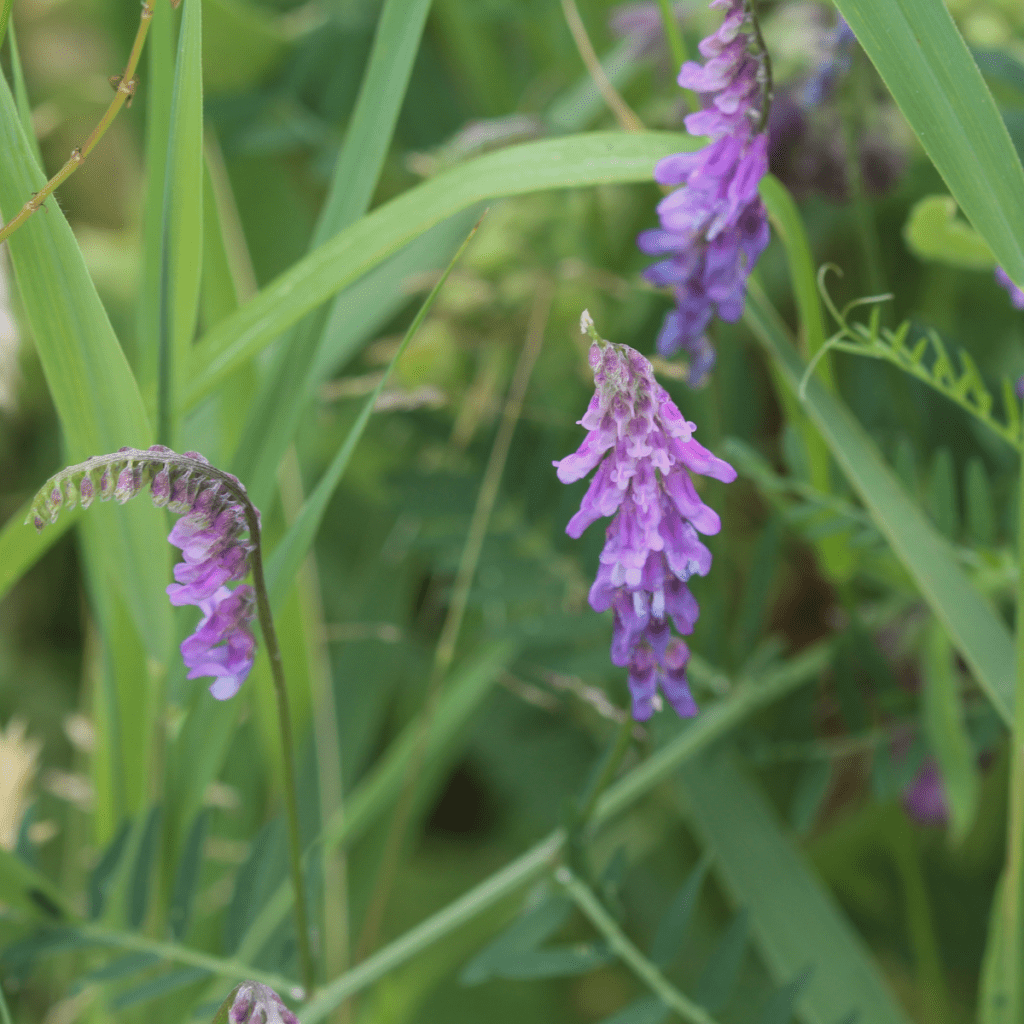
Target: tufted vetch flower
{"points": [[644, 451], [714, 227], [216, 533], [254, 1003]]}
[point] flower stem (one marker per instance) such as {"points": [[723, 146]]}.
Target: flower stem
{"points": [[284, 718], [674, 38], [617, 939], [124, 89]]}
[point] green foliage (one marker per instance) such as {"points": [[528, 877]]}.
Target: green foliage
{"points": [[238, 269]]}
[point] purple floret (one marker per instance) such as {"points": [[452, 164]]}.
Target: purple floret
{"points": [[644, 451], [714, 227]]}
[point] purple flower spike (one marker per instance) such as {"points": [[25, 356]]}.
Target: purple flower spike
{"points": [[259, 1004], [1016, 295], [714, 227], [218, 530], [643, 450]]}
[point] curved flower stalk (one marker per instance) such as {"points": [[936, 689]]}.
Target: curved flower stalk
{"points": [[217, 532], [643, 449], [714, 228], [219, 537]]}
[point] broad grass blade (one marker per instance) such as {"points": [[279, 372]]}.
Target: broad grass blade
{"points": [[96, 396], [924, 61], [793, 918], [588, 159]]}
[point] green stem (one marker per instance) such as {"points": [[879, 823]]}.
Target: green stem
{"points": [[1013, 891], [616, 938], [123, 93], [287, 750], [710, 726], [677, 46], [673, 35]]}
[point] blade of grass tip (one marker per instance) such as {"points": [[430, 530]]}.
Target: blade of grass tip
{"points": [[288, 555], [444, 652]]}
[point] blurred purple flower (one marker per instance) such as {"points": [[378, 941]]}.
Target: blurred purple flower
{"points": [[821, 84], [1016, 295], [642, 448], [806, 147], [714, 228], [924, 799], [213, 535], [259, 1004]]}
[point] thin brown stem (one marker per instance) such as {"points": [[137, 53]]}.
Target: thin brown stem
{"points": [[628, 121], [444, 653], [124, 89], [287, 748]]}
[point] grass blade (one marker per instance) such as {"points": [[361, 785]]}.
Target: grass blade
{"points": [[793, 918], [96, 397], [924, 61], [581, 160], [182, 223]]}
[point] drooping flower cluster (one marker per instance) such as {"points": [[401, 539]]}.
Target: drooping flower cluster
{"points": [[1016, 295], [714, 228], [213, 534], [643, 450], [259, 1004]]}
